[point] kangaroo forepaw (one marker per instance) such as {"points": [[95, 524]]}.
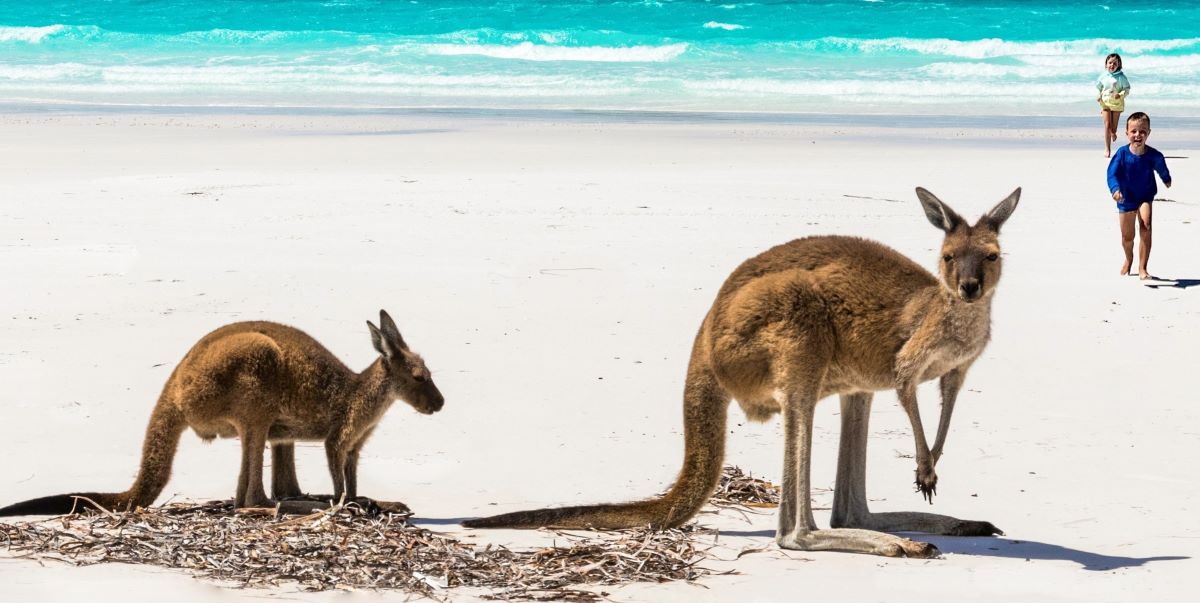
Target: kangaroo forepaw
{"points": [[974, 528], [926, 483]]}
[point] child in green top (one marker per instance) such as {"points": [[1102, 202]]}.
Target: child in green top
{"points": [[1111, 89]]}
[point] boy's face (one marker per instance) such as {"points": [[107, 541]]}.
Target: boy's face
{"points": [[1137, 132], [1112, 64]]}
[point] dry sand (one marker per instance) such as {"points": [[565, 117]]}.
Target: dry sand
{"points": [[553, 273]]}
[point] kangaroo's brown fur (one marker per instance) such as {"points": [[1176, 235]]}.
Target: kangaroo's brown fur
{"points": [[266, 382], [812, 318]]}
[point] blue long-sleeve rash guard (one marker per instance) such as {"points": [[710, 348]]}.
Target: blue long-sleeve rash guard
{"points": [[1133, 175]]}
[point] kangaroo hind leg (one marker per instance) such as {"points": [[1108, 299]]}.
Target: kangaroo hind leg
{"points": [[250, 491], [797, 528], [283, 471]]}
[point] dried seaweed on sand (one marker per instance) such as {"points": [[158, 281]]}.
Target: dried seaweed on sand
{"points": [[357, 547], [740, 489]]}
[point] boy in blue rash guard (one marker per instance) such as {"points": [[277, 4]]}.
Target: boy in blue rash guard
{"points": [[1131, 182]]}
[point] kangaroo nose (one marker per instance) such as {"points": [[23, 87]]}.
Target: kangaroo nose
{"points": [[969, 290]]}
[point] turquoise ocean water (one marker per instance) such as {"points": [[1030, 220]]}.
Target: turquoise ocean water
{"points": [[955, 57]]}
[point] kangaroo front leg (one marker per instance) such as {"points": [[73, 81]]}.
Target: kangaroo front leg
{"points": [[351, 471], [283, 471], [926, 476], [335, 454], [351, 468], [951, 383]]}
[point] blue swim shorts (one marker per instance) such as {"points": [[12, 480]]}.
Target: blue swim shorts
{"points": [[1125, 205]]}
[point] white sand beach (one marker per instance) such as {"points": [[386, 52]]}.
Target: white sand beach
{"points": [[553, 271]]}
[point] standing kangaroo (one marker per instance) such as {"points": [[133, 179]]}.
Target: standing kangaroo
{"points": [[811, 318], [266, 382]]}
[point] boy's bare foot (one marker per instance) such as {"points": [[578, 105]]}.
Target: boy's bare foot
{"points": [[1125, 268], [1144, 275]]}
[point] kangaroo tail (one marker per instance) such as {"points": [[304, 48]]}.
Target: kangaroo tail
{"points": [[158, 451], [704, 405]]}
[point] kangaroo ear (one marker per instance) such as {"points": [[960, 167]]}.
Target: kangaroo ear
{"points": [[939, 214], [390, 331], [999, 214], [379, 341]]}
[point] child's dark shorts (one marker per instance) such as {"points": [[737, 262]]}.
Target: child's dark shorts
{"points": [[1125, 205]]}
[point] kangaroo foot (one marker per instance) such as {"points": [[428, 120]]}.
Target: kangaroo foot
{"points": [[857, 541], [911, 548], [329, 499], [974, 528], [307, 503], [286, 493], [256, 503], [909, 521]]}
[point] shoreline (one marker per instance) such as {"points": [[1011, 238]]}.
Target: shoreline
{"points": [[1174, 136], [1171, 133], [1004, 121]]}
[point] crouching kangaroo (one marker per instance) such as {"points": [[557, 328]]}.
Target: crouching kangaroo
{"points": [[811, 318], [266, 382]]}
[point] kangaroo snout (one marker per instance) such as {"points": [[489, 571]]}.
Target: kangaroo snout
{"points": [[430, 403], [969, 290], [437, 404]]}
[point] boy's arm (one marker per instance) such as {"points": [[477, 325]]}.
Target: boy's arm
{"points": [[1160, 166], [1114, 168]]}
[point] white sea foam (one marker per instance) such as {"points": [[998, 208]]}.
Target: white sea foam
{"points": [[918, 92], [528, 51], [1077, 68], [364, 77], [48, 73], [31, 35], [725, 26], [963, 71], [996, 47]]}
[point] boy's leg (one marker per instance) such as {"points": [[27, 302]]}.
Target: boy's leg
{"points": [[1145, 214], [1127, 219]]}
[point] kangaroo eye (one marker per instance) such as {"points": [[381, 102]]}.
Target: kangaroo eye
{"points": [[947, 258], [991, 257], [420, 378]]}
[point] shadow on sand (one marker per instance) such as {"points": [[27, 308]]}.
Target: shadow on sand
{"points": [[1012, 549], [437, 521], [1041, 551], [1158, 282]]}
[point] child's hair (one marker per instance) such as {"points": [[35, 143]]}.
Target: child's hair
{"points": [[1114, 56], [1138, 116]]}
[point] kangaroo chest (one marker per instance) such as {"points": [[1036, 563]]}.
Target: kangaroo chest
{"points": [[959, 340]]}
